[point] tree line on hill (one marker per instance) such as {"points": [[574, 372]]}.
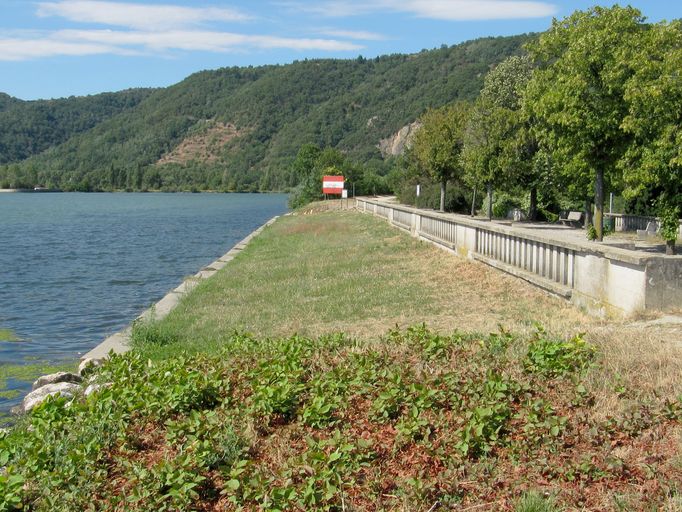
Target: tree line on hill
{"points": [[28, 128]]}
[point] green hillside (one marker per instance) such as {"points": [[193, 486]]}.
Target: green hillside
{"points": [[6, 101], [239, 128], [30, 127]]}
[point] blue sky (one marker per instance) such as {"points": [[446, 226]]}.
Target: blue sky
{"points": [[56, 48]]}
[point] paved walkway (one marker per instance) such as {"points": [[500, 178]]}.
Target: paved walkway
{"points": [[561, 233]]}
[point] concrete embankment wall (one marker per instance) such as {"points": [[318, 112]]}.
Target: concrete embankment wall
{"points": [[120, 341], [605, 281]]}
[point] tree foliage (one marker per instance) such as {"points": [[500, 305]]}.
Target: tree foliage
{"points": [[653, 162], [498, 148], [505, 85], [488, 147], [313, 163], [437, 145], [28, 128], [577, 95]]}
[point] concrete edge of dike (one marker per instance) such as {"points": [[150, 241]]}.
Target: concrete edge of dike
{"points": [[119, 342]]}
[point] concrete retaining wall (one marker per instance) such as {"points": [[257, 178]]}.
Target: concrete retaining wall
{"points": [[606, 281]]}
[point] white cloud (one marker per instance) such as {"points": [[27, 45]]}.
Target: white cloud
{"points": [[137, 16], [449, 10], [360, 35], [333, 9], [98, 42], [461, 10], [200, 40], [150, 29], [14, 49]]}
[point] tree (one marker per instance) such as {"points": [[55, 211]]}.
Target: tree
{"points": [[577, 95], [654, 97], [498, 146], [438, 144], [305, 162], [504, 85], [487, 146]]}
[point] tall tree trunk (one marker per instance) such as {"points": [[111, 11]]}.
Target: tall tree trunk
{"points": [[599, 204], [490, 201], [443, 184], [473, 204], [533, 209]]}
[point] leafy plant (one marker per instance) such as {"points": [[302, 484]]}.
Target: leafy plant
{"points": [[11, 486], [323, 424], [553, 358], [670, 224]]}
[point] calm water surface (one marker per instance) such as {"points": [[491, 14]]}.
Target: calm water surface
{"points": [[75, 268]]}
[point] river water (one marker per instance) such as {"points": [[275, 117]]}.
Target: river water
{"points": [[75, 267]]}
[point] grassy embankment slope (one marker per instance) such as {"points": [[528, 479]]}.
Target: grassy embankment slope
{"points": [[378, 418]]}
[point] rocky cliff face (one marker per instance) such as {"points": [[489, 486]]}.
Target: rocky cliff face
{"points": [[399, 141]]}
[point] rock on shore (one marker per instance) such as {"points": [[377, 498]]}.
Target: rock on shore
{"points": [[37, 397]]}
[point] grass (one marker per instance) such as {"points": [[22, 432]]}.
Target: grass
{"points": [[483, 410], [534, 502], [330, 272]]}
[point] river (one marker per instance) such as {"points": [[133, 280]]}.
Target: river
{"points": [[77, 267]]}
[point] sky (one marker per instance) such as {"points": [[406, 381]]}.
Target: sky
{"points": [[59, 48]]}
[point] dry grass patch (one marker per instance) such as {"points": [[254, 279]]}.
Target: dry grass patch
{"points": [[637, 363]]}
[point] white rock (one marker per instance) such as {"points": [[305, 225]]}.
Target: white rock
{"points": [[88, 363], [54, 378], [37, 397]]}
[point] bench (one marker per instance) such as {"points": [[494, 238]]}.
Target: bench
{"points": [[651, 230], [574, 219]]}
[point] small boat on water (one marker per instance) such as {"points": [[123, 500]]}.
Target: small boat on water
{"points": [[45, 189]]}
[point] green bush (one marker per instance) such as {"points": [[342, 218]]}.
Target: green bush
{"points": [[553, 358], [670, 224]]}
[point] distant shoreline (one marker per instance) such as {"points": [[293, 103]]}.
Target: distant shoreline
{"points": [[32, 191], [28, 190]]}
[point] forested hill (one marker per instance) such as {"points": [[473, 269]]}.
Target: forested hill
{"points": [[6, 101], [239, 128], [30, 127]]}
